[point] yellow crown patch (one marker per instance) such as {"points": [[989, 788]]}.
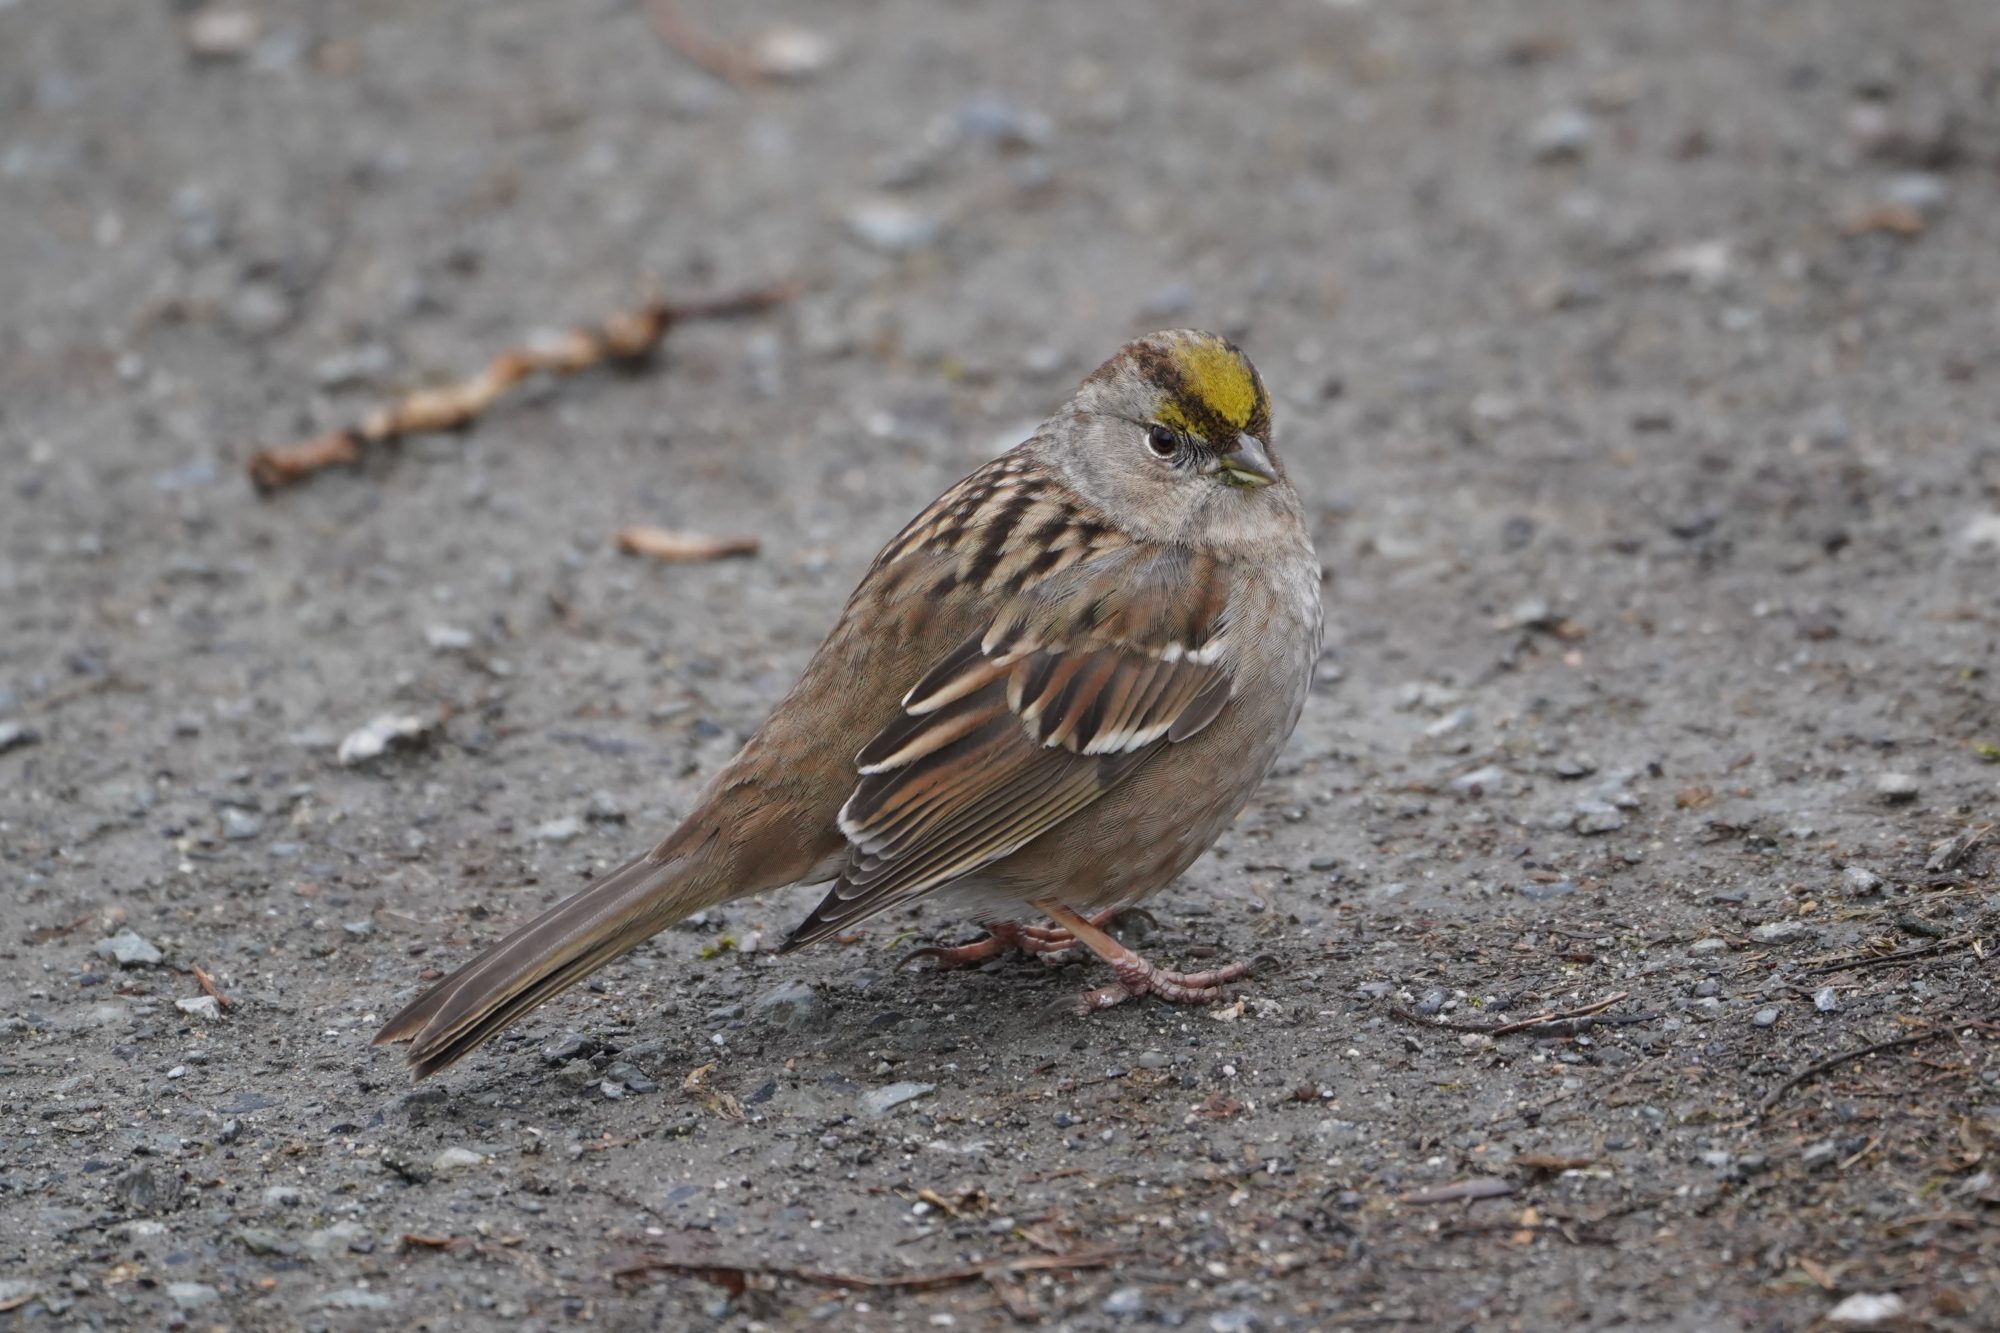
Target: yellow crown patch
{"points": [[1217, 383]]}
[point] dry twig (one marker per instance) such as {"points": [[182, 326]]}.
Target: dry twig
{"points": [[209, 987], [1547, 1018], [1813, 1071], [1884, 959], [718, 57], [734, 1276], [626, 336]]}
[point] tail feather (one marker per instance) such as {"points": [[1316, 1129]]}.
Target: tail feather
{"points": [[550, 954]]}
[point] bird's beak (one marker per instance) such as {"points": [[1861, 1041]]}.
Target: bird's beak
{"points": [[1247, 465]]}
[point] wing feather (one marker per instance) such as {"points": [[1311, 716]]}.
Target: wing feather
{"points": [[1021, 726]]}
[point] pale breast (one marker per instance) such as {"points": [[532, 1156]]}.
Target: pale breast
{"points": [[1156, 823]]}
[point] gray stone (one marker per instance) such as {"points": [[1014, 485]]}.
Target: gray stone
{"points": [[566, 829], [1922, 191], [128, 949], [1125, 1301], [892, 228], [457, 1159], [1560, 135], [1897, 787], [240, 825], [263, 1240], [192, 1295], [1779, 932], [14, 734], [1593, 816], [996, 121], [1826, 1001], [792, 1005], [356, 1298], [1711, 944], [1860, 881], [1865, 1309], [1479, 781], [259, 309], [881, 1101], [569, 1046], [1766, 1016]]}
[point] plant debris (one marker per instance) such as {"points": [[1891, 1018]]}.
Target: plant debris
{"points": [[680, 548], [625, 337]]}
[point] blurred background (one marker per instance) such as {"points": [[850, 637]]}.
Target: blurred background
{"points": [[1637, 364]]}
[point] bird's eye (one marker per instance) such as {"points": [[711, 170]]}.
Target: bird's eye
{"points": [[1162, 441]]}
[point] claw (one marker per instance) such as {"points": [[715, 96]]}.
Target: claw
{"points": [[955, 956], [1136, 976]]}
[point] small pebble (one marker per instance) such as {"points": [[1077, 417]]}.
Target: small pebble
{"points": [[239, 825], [259, 309], [447, 638], [382, 733], [1897, 787], [15, 734], [881, 1101], [999, 122], [457, 1159], [192, 1295], [1560, 135], [1778, 932], [792, 1005], [1860, 882], [128, 949], [1479, 781], [1826, 1001], [566, 829], [1922, 191], [200, 1006], [791, 53], [1594, 816], [569, 1046], [892, 228], [221, 32], [1711, 944], [1766, 1016], [1124, 1301], [1866, 1309]]}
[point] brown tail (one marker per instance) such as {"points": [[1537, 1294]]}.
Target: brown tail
{"points": [[553, 952]]}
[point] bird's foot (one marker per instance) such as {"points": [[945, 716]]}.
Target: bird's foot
{"points": [[1136, 976], [1013, 937]]}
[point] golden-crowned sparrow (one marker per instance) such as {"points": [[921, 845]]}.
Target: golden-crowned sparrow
{"points": [[1049, 695]]}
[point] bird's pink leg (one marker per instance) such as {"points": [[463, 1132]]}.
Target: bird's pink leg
{"points": [[1136, 976], [1005, 936]]}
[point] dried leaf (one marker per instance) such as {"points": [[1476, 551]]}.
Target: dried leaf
{"points": [[681, 547]]}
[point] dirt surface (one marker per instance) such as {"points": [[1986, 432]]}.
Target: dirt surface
{"points": [[1640, 364]]}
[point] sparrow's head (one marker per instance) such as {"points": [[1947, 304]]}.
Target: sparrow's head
{"points": [[1174, 433]]}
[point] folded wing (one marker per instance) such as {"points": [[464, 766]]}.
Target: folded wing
{"points": [[1027, 723]]}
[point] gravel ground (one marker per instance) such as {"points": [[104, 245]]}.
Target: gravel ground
{"points": [[1638, 364]]}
